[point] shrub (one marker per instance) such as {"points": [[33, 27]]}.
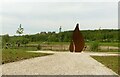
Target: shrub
{"points": [[25, 41], [38, 47], [94, 46]]}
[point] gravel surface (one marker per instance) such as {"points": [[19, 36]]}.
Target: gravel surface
{"points": [[102, 54], [61, 63]]}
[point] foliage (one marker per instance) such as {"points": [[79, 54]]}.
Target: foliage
{"points": [[38, 47], [104, 36], [6, 38], [12, 55], [94, 46], [25, 41]]}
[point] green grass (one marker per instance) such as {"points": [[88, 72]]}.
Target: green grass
{"points": [[115, 44], [114, 51], [110, 62], [50, 43], [12, 55], [86, 43], [109, 44]]}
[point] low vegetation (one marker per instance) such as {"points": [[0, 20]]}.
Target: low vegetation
{"points": [[89, 35], [15, 47], [94, 46], [12, 55], [111, 62]]}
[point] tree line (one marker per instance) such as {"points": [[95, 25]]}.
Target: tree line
{"points": [[104, 35]]}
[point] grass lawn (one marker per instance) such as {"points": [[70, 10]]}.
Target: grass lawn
{"points": [[50, 43], [111, 62], [115, 44], [12, 55], [67, 43], [113, 51]]}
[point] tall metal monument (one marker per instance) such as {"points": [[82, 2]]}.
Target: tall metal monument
{"points": [[77, 42]]}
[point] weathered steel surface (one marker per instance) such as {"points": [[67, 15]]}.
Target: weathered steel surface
{"points": [[78, 40], [71, 48]]}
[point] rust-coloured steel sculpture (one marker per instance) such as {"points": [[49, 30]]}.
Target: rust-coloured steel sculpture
{"points": [[71, 48], [77, 43]]}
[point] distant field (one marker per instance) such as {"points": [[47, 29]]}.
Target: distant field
{"points": [[64, 46], [110, 62], [12, 55], [109, 44], [51, 43], [105, 44], [67, 43], [114, 51]]}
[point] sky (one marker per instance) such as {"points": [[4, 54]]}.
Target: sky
{"points": [[36, 16]]}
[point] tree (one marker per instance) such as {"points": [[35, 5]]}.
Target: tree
{"points": [[5, 39], [20, 30], [25, 41]]}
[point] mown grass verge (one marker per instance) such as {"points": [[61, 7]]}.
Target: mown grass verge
{"points": [[115, 44], [111, 62], [13, 55], [67, 43]]}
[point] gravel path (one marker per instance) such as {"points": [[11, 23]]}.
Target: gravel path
{"points": [[61, 63], [103, 54]]}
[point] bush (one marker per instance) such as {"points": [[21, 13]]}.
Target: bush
{"points": [[25, 41], [94, 46], [38, 47]]}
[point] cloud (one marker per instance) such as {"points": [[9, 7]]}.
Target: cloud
{"points": [[8, 1], [48, 16]]}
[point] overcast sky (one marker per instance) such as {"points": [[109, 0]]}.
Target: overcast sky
{"points": [[36, 17]]}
